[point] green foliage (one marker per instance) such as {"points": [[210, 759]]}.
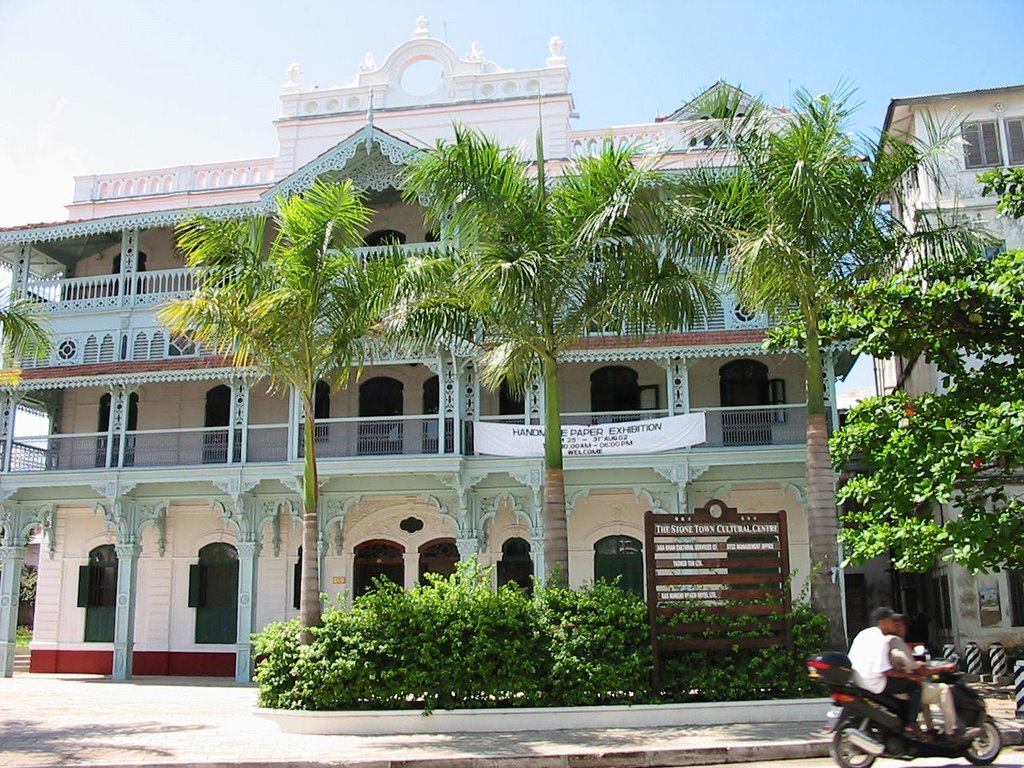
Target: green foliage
{"points": [[1008, 183], [22, 637], [29, 580], [961, 447], [456, 642]]}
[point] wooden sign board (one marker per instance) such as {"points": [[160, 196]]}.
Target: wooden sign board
{"points": [[714, 559]]}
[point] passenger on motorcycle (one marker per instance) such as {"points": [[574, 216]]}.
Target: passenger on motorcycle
{"points": [[873, 669], [903, 660]]}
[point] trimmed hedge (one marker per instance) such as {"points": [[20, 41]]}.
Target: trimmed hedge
{"points": [[457, 643]]}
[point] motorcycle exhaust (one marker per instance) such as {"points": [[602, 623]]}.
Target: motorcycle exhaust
{"points": [[865, 743]]}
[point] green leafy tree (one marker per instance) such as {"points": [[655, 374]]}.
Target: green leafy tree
{"points": [[300, 305], [535, 263], [798, 205], [21, 335], [962, 447], [1008, 183]]}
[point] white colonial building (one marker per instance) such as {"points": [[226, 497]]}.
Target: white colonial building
{"points": [[166, 493], [985, 608]]}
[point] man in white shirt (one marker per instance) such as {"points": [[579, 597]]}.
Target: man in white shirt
{"points": [[873, 670]]}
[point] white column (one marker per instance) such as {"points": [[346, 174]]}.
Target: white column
{"points": [[129, 261], [22, 270], [11, 560], [248, 558], [678, 384], [295, 419], [239, 430], [8, 411], [830, 388], [124, 609]]}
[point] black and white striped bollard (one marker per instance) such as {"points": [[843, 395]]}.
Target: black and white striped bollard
{"points": [[997, 658], [972, 658], [949, 652], [1018, 688]]}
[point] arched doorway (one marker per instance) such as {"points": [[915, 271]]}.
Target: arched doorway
{"points": [[431, 405], [744, 383], [380, 397], [374, 559], [438, 556], [516, 564], [620, 556], [213, 592], [614, 388], [509, 404], [322, 410], [218, 414], [97, 593]]}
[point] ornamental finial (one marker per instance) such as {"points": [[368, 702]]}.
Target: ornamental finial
{"points": [[422, 27]]}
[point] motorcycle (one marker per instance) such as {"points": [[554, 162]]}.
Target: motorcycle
{"points": [[871, 725]]}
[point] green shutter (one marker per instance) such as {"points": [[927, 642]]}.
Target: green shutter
{"points": [[194, 580], [83, 586]]}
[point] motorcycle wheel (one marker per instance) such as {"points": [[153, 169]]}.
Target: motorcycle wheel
{"points": [[845, 753], [984, 748]]}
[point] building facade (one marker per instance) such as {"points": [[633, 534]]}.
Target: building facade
{"points": [[983, 608], [166, 491]]}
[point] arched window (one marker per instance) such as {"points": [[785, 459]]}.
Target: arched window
{"points": [[377, 559], [620, 556], [509, 404], [516, 564], [384, 237], [614, 388], [218, 414], [431, 405], [97, 593], [744, 383], [213, 592], [322, 410], [438, 556], [103, 425], [379, 397]]}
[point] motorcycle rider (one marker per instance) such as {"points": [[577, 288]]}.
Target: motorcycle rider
{"points": [[873, 670], [902, 659]]}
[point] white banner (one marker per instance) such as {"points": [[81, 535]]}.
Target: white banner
{"points": [[599, 440]]}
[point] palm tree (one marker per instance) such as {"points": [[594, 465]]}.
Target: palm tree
{"points": [[534, 265], [300, 306], [21, 335], [800, 208]]}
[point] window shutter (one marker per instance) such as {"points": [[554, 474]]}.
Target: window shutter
{"points": [[83, 586], [1015, 141], [981, 147], [194, 580]]}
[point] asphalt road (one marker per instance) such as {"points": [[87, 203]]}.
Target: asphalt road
{"points": [[1010, 757]]}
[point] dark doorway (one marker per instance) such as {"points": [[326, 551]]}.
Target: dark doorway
{"points": [[620, 557], [218, 414], [745, 383], [97, 593], [516, 564], [431, 405], [379, 397], [322, 410], [377, 559], [438, 556], [614, 388], [213, 592]]}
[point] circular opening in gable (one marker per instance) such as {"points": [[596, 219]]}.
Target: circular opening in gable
{"points": [[421, 77]]}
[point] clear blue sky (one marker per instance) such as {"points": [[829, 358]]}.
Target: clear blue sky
{"points": [[98, 86]]}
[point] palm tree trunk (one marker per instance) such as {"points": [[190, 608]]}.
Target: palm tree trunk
{"points": [[556, 525], [822, 518], [309, 596]]}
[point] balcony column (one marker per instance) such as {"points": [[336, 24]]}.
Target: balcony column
{"points": [[248, 560], [535, 396], [117, 429], [129, 264], [239, 432], [677, 372], [11, 560], [470, 400], [8, 412], [448, 413], [128, 552], [296, 418], [22, 268], [830, 389]]}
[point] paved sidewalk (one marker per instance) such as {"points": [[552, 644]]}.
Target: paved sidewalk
{"points": [[51, 720]]}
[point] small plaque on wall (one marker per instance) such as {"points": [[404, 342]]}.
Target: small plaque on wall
{"points": [[339, 580]]}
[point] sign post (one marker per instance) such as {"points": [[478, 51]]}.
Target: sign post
{"points": [[713, 560]]}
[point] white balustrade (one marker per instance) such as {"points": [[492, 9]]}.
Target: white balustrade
{"points": [[165, 181]]}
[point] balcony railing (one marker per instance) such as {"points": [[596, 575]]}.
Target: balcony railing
{"points": [[108, 292], [404, 435]]}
